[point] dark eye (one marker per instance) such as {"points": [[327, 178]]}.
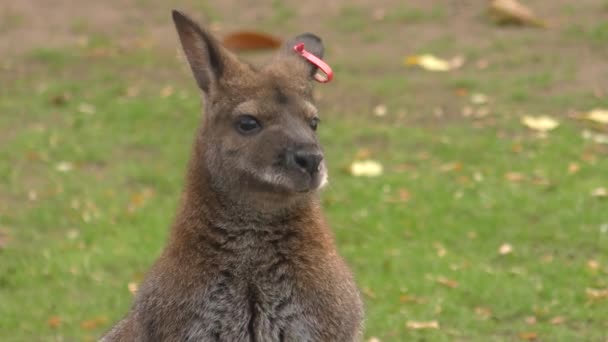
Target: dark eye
{"points": [[247, 124], [314, 123]]}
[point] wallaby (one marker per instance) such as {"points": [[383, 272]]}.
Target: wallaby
{"points": [[249, 256]]}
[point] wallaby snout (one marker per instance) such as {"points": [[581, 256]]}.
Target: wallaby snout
{"points": [[308, 165]]}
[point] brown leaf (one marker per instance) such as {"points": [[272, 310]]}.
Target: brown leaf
{"points": [[483, 312], [513, 12], [417, 325], [593, 264], [60, 100], [166, 91], [369, 292], [515, 177], [449, 167], [557, 320], [54, 321], [447, 282], [249, 40], [573, 168], [93, 323], [528, 336], [597, 294], [407, 298], [530, 320]]}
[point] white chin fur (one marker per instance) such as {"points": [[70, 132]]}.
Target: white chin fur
{"points": [[324, 180]]}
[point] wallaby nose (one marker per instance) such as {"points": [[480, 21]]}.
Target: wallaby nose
{"points": [[307, 161]]}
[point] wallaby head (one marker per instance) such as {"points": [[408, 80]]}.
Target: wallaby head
{"points": [[258, 142]]}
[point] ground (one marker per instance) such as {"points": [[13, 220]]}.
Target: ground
{"points": [[490, 229]]}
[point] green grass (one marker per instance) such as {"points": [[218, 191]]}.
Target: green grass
{"points": [[72, 241]]}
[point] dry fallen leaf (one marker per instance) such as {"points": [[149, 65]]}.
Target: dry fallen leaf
{"points": [[573, 168], [483, 312], [541, 123], [453, 166], [597, 294], [373, 339], [94, 323], [369, 292], [249, 40], [366, 168], [593, 264], [54, 321], [599, 192], [528, 336], [417, 325], [598, 115], [530, 320], [380, 110], [505, 249], [513, 12], [166, 91], [515, 177], [64, 166], [132, 286], [447, 282], [557, 320], [433, 63], [86, 108], [479, 99], [597, 138]]}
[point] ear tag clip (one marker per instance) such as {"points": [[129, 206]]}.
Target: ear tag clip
{"points": [[299, 49]]}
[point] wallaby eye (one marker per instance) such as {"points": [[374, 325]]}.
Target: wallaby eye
{"points": [[314, 123], [247, 124]]}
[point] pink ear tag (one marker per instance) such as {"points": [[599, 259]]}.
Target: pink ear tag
{"points": [[299, 48]]}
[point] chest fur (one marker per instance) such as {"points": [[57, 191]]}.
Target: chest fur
{"points": [[252, 295]]}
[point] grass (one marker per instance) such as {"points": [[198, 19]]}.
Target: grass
{"points": [[423, 239]]}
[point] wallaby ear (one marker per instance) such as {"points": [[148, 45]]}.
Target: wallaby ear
{"points": [[312, 44], [206, 56]]}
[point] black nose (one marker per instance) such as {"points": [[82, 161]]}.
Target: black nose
{"points": [[306, 161]]}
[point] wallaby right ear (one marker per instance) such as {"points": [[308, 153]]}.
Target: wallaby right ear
{"points": [[205, 55]]}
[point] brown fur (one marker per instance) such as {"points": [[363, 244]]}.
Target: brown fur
{"points": [[250, 256]]}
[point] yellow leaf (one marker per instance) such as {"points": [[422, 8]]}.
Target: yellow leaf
{"points": [[593, 264], [429, 62], [380, 110], [86, 108], [598, 115], [479, 99], [599, 192], [366, 168], [505, 249], [417, 325], [132, 286], [541, 123], [64, 166]]}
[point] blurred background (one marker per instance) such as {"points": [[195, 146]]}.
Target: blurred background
{"points": [[467, 142]]}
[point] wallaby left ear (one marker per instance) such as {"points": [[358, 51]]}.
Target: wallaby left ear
{"points": [[209, 61], [312, 44]]}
